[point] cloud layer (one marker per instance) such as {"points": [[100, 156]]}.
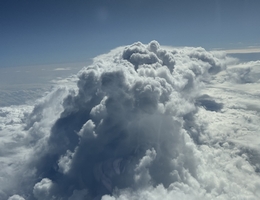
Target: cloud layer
{"points": [[141, 123]]}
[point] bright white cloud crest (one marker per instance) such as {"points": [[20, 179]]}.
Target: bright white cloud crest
{"points": [[143, 122]]}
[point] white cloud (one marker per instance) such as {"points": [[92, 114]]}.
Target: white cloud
{"points": [[143, 122], [142, 176], [62, 69], [43, 189], [64, 162], [15, 197], [25, 84]]}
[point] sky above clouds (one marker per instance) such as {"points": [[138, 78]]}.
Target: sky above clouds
{"points": [[47, 32]]}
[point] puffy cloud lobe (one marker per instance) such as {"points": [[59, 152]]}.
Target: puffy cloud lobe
{"points": [[87, 130], [64, 162], [121, 110], [142, 177], [175, 191], [245, 72], [15, 197], [44, 189], [130, 130]]}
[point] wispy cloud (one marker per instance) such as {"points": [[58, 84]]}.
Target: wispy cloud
{"points": [[243, 50]]}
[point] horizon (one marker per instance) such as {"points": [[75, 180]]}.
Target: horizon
{"points": [[47, 32]]}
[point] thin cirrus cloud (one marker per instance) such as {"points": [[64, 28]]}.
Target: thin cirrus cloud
{"points": [[142, 122], [244, 50]]}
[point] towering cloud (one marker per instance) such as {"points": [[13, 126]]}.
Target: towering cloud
{"points": [[133, 128]]}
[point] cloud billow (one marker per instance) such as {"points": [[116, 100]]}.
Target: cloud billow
{"points": [[121, 110], [128, 130]]}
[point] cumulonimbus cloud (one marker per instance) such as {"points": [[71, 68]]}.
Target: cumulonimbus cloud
{"points": [[130, 130]]}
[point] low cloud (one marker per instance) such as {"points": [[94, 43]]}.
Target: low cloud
{"points": [[135, 126]]}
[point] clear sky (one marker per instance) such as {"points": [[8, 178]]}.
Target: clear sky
{"points": [[34, 32]]}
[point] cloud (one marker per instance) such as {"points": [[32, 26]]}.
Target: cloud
{"points": [[142, 122], [61, 69], [15, 197], [245, 72], [243, 51], [43, 189], [25, 84]]}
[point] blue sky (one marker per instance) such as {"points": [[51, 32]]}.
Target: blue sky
{"points": [[61, 31]]}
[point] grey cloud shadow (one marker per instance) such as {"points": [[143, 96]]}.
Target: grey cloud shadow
{"points": [[208, 103]]}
